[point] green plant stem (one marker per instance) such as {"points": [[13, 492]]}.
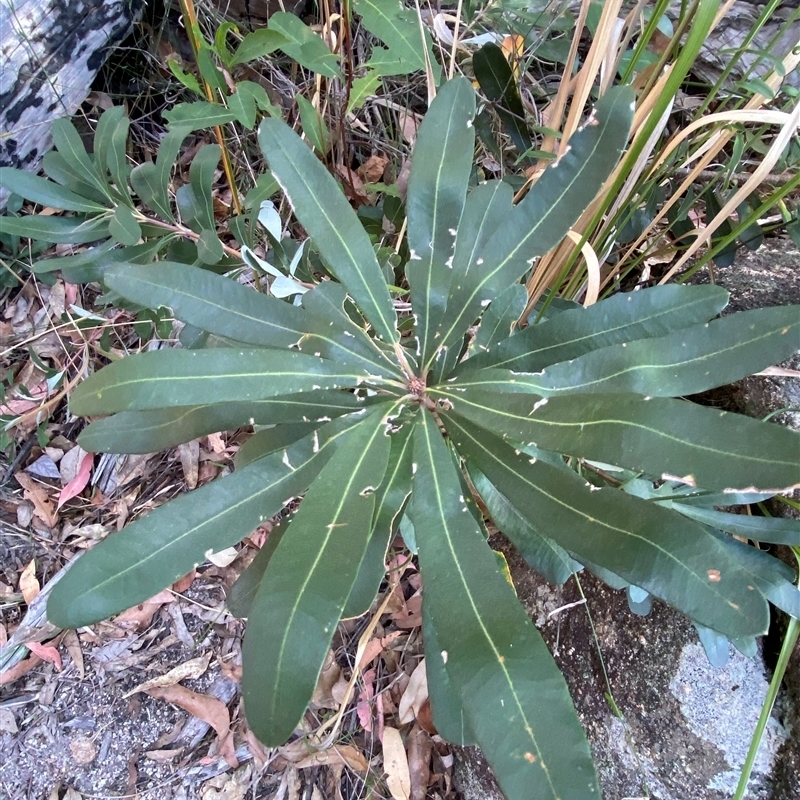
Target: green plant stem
{"points": [[789, 641]]}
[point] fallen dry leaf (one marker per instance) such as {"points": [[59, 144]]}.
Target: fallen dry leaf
{"points": [[209, 709], [46, 653], [328, 678], [415, 695], [73, 645], [140, 615], [38, 495], [193, 668], [19, 669], [420, 748], [339, 753], [189, 454], [376, 646], [395, 765], [29, 583], [372, 169], [77, 484]]}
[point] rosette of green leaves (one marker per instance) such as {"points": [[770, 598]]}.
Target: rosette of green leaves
{"points": [[369, 426]]}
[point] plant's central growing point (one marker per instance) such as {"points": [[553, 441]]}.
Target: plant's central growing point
{"points": [[416, 387]]}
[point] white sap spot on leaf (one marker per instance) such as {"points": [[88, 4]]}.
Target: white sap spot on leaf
{"points": [[323, 419], [538, 404], [412, 256], [532, 460], [452, 231], [414, 468], [479, 261], [485, 303], [367, 491], [444, 656], [347, 333], [251, 421], [286, 461], [315, 445]]}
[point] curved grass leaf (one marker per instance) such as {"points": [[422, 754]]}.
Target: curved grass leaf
{"points": [[216, 304], [152, 431], [685, 362], [302, 595], [544, 216], [46, 193], [437, 186], [334, 227], [130, 566], [549, 559], [658, 436], [168, 378], [390, 500], [514, 698], [624, 317], [643, 543]]}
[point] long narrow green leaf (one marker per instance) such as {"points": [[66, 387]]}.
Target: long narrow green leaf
{"points": [[658, 436], [168, 378], [70, 146], [643, 543], [330, 333], [56, 230], [306, 585], [110, 142], [446, 708], [45, 193], [549, 559], [216, 304], [773, 530], [130, 566], [324, 212], [243, 592], [544, 216], [685, 362], [437, 186], [514, 697], [624, 317], [390, 500], [497, 81], [152, 431]]}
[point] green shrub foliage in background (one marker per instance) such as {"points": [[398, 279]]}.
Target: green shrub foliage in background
{"points": [[371, 425]]}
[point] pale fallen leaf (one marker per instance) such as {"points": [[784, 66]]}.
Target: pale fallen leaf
{"points": [[189, 454], [339, 753], [395, 765], [8, 723], [140, 615], [376, 646], [75, 486], [420, 749], [70, 464], [372, 169], [209, 709], [193, 668], [46, 653], [73, 645], [364, 703], [222, 558], [328, 677], [415, 695], [38, 495], [29, 583]]}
